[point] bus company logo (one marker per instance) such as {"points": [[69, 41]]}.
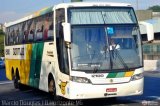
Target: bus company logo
{"points": [[62, 86], [111, 80], [110, 94], [97, 75]]}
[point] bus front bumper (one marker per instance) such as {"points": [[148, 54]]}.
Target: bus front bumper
{"points": [[89, 91]]}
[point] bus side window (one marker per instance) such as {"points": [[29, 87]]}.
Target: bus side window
{"points": [[16, 38], [20, 33], [39, 34], [25, 32], [31, 31], [50, 32], [31, 35], [14, 35], [48, 27], [39, 29], [7, 37], [11, 37], [25, 35]]}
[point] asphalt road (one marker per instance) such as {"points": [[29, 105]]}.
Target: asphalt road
{"points": [[34, 97]]}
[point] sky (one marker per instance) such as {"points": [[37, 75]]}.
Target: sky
{"points": [[11, 10]]}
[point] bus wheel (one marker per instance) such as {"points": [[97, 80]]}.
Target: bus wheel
{"points": [[52, 88], [16, 81]]}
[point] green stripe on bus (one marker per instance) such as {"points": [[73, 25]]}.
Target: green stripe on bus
{"points": [[35, 66], [111, 75], [120, 74], [46, 10]]}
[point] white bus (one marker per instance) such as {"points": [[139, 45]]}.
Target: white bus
{"points": [[77, 51]]}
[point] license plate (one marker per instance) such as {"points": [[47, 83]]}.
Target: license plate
{"points": [[111, 90]]}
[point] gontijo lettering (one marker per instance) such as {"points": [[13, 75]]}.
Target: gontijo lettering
{"points": [[18, 51]]}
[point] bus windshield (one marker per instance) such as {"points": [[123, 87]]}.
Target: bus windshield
{"points": [[105, 45], [110, 15]]}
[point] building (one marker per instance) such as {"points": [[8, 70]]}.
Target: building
{"points": [[144, 15], [147, 14], [151, 51]]}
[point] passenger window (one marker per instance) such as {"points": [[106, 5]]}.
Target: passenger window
{"points": [[26, 32], [20, 39], [50, 32], [6, 37], [31, 31], [39, 29], [16, 39], [11, 36], [48, 27]]}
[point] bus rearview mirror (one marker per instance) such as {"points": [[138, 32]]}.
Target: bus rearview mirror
{"points": [[67, 31], [149, 31]]}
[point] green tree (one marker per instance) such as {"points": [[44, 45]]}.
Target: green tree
{"points": [[155, 8], [1, 32], [1, 43]]}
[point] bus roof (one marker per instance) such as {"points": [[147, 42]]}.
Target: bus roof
{"points": [[88, 4], [66, 5]]}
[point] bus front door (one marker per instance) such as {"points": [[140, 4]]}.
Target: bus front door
{"points": [[63, 64]]}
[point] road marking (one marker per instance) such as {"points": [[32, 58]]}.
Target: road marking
{"points": [[6, 82], [156, 97]]}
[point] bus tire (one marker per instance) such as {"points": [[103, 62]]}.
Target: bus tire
{"points": [[16, 81], [52, 88], [22, 87]]}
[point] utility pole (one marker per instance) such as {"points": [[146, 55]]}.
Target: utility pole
{"points": [[137, 4]]}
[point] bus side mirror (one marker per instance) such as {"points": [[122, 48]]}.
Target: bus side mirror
{"points": [[149, 31], [67, 32]]}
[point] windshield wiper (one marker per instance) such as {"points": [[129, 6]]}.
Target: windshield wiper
{"points": [[119, 57], [95, 69]]}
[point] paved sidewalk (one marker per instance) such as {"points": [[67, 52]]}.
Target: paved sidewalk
{"points": [[5, 82]]}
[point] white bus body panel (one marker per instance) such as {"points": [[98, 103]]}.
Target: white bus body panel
{"points": [[124, 86], [86, 91]]}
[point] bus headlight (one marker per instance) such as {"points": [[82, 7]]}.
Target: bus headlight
{"points": [[80, 79], [137, 77]]}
